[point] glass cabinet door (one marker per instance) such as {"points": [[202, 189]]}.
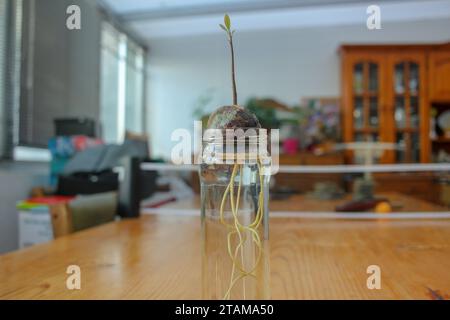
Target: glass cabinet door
{"points": [[366, 101], [364, 98], [406, 78]]}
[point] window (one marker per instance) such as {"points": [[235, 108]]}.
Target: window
{"points": [[122, 85]]}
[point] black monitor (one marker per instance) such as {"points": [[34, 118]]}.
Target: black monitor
{"points": [[75, 126]]}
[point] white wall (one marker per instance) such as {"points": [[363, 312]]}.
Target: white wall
{"points": [[283, 64]]}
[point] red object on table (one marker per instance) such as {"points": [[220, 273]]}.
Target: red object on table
{"points": [[290, 146], [50, 199]]}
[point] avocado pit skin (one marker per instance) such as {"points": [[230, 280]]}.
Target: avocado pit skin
{"points": [[232, 117]]}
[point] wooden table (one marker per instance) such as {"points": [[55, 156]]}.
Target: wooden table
{"points": [[158, 257]]}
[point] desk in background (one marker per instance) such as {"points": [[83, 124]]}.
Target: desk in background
{"points": [[306, 203]]}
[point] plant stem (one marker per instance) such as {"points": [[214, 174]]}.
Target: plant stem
{"points": [[233, 75]]}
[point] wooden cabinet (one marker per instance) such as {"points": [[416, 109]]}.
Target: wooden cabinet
{"points": [[387, 91], [439, 75]]}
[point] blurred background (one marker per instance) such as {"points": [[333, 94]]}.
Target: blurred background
{"points": [[77, 104]]}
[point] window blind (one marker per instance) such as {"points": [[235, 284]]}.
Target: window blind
{"points": [[60, 77], [10, 53], [3, 28]]}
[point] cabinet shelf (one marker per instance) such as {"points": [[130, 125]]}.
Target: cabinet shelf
{"points": [[366, 130], [365, 94], [406, 129], [441, 140], [404, 94]]}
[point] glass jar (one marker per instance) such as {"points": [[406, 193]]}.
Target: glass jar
{"points": [[234, 178]]}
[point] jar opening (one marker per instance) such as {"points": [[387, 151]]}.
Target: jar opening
{"points": [[250, 136], [231, 146]]}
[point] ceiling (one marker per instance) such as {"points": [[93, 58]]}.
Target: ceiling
{"points": [[151, 6], [152, 9], [168, 18]]}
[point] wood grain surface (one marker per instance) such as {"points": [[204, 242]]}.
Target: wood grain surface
{"points": [[158, 257]]}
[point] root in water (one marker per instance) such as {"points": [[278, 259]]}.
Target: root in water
{"points": [[239, 271]]}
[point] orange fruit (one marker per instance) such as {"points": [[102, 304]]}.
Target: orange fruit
{"points": [[383, 207]]}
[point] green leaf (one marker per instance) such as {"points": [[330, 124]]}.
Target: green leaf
{"points": [[226, 20], [223, 27]]}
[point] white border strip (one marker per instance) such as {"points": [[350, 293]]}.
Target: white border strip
{"points": [[168, 167], [366, 168], [351, 168], [315, 215], [171, 211]]}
